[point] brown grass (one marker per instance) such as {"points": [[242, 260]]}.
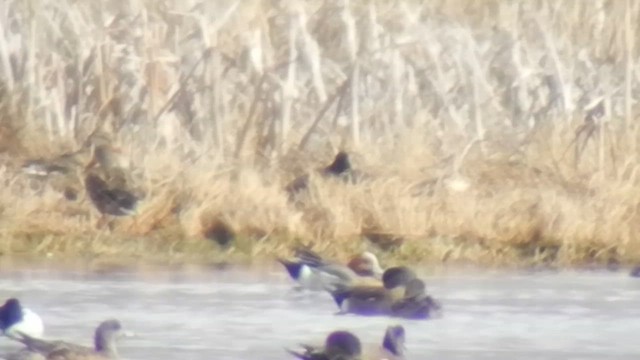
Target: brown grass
{"points": [[475, 121]]}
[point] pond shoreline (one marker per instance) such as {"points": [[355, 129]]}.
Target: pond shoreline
{"points": [[194, 265]]}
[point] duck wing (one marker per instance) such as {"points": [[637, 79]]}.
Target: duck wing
{"points": [[309, 257], [315, 261]]}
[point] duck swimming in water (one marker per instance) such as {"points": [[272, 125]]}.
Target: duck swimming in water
{"points": [[310, 271], [105, 337], [373, 300], [344, 345]]}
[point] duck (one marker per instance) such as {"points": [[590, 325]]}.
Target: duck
{"points": [[110, 200], [104, 344], [372, 300], [340, 168], [310, 271], [344, 345], [416, 304], [14, 319], [339, 345]]}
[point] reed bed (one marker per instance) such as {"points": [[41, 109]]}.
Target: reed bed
{"points": [[491, 132]]}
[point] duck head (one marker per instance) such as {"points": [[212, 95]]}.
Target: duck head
{"points": [[366, 264], [342, 345], [397, 276], [394, 339], [10, 313], [105, 337]]}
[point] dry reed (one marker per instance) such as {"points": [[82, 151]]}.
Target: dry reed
{"points": [[493, 132]]}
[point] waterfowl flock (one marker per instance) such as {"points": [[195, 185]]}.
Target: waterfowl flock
{"points": [[361, 287]]}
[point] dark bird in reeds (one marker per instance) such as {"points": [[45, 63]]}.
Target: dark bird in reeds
{"points": [[340, 168], [220, 232], [104, 347], [110, 200]]}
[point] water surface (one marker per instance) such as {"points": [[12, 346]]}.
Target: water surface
{"points": [[242, 315]]}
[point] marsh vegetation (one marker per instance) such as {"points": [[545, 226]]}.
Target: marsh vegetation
{"points": [[493, 132]]}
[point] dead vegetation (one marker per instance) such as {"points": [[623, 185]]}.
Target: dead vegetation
{"points": [[491, 132]]}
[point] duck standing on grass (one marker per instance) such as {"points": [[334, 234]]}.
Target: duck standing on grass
{"points": [[312, 272], [344, 345], [104, 345], [16, 319]]}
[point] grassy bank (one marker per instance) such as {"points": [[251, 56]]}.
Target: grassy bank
{"points": [[492, 133]]}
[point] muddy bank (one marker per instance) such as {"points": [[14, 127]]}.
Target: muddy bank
{"points": [[108, 253]]}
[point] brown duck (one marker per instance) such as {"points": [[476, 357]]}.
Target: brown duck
{"points": [[104, 345], [373, 300]]}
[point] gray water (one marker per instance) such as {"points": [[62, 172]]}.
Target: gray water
{"points": [[236, 315]]}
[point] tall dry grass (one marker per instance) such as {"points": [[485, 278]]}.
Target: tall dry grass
{"points": [[493, 131]]}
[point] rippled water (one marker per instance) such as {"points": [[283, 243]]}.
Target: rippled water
{"points": [[236, 315]]}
